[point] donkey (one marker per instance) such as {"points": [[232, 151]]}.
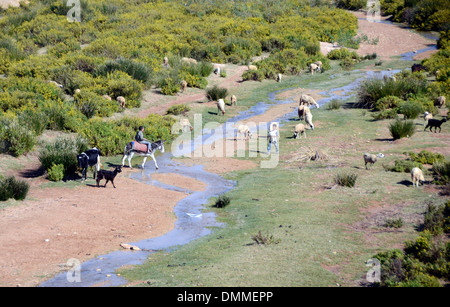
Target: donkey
{"points": [[129, 152]]}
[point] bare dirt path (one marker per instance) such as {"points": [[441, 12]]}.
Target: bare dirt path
{"points": [[54, 224]]}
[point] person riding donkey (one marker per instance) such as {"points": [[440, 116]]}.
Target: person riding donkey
{"points": [[140, 138]]}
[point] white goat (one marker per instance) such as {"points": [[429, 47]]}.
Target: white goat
{"points": [[417, 176], [220, 107]]}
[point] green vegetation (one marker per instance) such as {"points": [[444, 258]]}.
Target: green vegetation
{"points": [[401, 129], [345, 180], [222, 201], [424, 260], [11, 187]]}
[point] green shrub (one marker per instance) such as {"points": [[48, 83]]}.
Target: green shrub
{"points": [[385, 114], [411, 109], [388, 102], [56, 172], [401, 128], [10, 187], [17, 137], [169, 86], [215, 93], [437, 218], [259, 238], [441, 171], [255, 75], [403, 166], [222, 201], [178, 109], [92, 104], [62, 151], [394, 223], [136, 70], [345, 180], [426, 157], [334, 104]]}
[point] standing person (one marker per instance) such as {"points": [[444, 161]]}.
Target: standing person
{"points": [[273, 134], [140, 138]]}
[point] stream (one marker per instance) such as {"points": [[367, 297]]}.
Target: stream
{"points": [[192, 222]]}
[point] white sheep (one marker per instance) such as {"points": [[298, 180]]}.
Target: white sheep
{"points": [[244, 130], [77, 91], [183, 86], [107, 97], [426, 117], [299, 128], [308, 120], [440, 101], [252, 67], [308, 101], [166, 62], [221, 107], [417, 176], [189, 60], [233, 100], [121, 100], [56, 83], [279, 76], [370, 158], [313, 67]]}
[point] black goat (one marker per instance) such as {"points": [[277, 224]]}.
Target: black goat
{"points": [[108, 175], [435, 123], [88, 158]]}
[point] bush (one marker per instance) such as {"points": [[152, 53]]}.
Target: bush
{"points": [[222, 201], [394, 223], [403, 166], [10, 187], [136, 70], [401, 128], [215, 93], [62, 151], [178, 109], [345, 180], [426, 157], [441, 172], [334, 104], [16, 136], [259, 238], [385, 114], [388, 102], [56, 172], [255, 75], [410, 109], [437, 218], [169, 86]]}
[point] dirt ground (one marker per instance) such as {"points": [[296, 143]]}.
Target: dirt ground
{"points": [[55, 224]]}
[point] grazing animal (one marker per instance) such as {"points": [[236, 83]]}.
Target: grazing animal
{"points": [[252, 67], [221, 107], [313, 67], [89, 158], [183, 86], [302, 110], [121, 101], [129, 152], [370, 158], [435, 123], [440, 101], [165, 62], [108, 175], [56, 83], [185, 124], [107, 97], [217, 71], [417, 176], [77, 91], [299, 129], [308, 101], [417, 67], [244, 130], [189, 60], [233, 100]]}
